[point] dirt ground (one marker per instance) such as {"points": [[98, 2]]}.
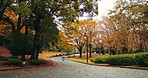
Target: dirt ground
{"points": [[45, 54], [4, 52]]}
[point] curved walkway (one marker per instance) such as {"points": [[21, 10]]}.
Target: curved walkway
{"points": [[70, 69]]}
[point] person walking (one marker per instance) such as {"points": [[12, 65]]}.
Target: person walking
{"points": [[63, 58]]}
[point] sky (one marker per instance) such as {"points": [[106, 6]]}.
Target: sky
{"points": [[104, 7]]}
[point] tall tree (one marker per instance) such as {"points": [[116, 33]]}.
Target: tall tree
{"points": [[75, 32], [123, 28], [39, 16], [62, 10]]}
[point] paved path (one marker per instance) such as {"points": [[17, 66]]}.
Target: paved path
{"points": [[70, 69]]}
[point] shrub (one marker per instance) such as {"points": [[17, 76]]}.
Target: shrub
{"points": [[12, 57], [125, 59], [2, 58], [142, 59], [14, 62], [101, 59], [93, 59], [34, 62], [19, 45]]}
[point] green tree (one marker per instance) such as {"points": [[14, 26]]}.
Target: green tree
{"points": [[40, 17], [20, 45], [66, 11]]}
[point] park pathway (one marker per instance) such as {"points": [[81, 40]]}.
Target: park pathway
{"points": [[70, 69]]}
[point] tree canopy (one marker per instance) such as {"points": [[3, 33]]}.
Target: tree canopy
{"points": [[39, 19]]}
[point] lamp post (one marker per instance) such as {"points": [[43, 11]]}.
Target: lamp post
{"points": [[87, 45]]}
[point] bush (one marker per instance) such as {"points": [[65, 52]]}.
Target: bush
{"points": [[125, 59], [142, 59], [34, 62], [19, 45], [12, 57], [101, 59], [16, 62], [2, 58]]}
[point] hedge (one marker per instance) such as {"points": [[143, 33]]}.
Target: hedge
{"points": [[140, 59], [100, 59], [34, 62], [125, 59], [12, 57], [16, 62]]}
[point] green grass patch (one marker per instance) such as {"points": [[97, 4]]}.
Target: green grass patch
{"points": [[80, 60], [85, 61]]}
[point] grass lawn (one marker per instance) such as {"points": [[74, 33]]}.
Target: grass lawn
{"points": [[80, 60]]}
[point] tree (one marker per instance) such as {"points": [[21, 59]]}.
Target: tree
{"points": [[75, 33], [4, 4], [14, 18], [20, 45], [65, 11], [120, 31], [38, 16], [140, 24]]}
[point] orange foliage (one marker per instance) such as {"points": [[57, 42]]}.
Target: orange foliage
{"points": [[22, 30], [4, 29], [73, 33]]}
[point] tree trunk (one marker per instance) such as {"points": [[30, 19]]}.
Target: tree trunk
{"points": [[80, 54], [102, 50], [80, 50], [26, 37], [23, 57], [103, 53], [110, 53], [34, 54], [140, 45], [19, 23], [90, 55], [37, 53]]}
